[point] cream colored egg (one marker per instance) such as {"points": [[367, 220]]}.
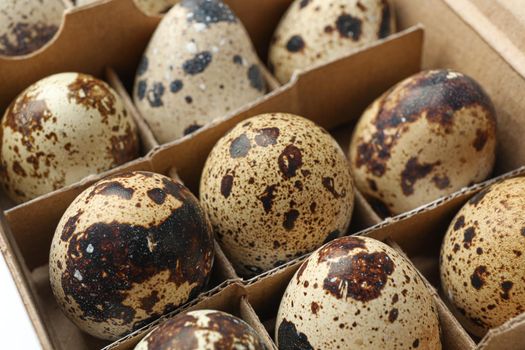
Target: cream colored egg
{"points": [[357, 293], [27, 25], [427, 137], [149, 7], [482, 261], [203, 330], [316, 31], [128, 249], [199, 66], [60, 130], [276, 187]]}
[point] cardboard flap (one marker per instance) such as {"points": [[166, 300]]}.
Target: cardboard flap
{"points": [[508, 336]]}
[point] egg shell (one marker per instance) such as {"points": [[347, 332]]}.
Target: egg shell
{"points": [[429, 136], [203, 330], [198, 66], [357, 293], [482, 263], [127, 250], [276, 187], [149, 7], [60, 130], [27, 25], [317, 31]]}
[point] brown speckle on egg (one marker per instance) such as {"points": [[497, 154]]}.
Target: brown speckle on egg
{"points": [[369, 291], [458, 122], [482, 272], [115, 266], [291, 191]]}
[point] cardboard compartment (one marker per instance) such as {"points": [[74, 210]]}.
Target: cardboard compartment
{"points": [[265, 294], [420, 234], [333, 95]]}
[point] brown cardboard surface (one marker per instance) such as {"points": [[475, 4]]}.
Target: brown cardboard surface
{"points": [[330, 94]]}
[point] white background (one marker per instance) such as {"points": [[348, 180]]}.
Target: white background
{"points": [[16, 329]]}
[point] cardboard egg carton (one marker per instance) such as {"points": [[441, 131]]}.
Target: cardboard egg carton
{"points": [[333, 95]]}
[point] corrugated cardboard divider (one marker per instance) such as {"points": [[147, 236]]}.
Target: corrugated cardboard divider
{"points": [[420, 233]]}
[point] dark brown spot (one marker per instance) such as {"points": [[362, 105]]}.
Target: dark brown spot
{"points": [[415, 344], [267, 136], [267, 197], [328, 29], [303, 3], [290, 160], [361, 7], [17, 168], [348, 26], [191, 128], [392, 315], [209, 12], [143, 65], [460, 223], [395, 298], [331, 236], [441, 182], [477, 279], [384, 26], [362, 276], [328, 184], [176, 85], [289, 338], [479, 250], [226, 185], [314, 307], [25, 38], [372, 184], [295, 44], [198, 63], [506, 286], [240, 146], [340, 247], [113, 188], [456, 248], [147, 303], [256, 78], [480, 140], [70, 226], [380, 207], [289, 219], [157, 195], [414, 171], [468, 236], [301, 270]]}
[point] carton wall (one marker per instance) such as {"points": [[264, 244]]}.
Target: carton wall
{"points": [[333, 95]]}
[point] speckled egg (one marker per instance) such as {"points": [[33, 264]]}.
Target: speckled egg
{"points": [[149, 7], [429, 136], [203, 329], [276, 187], [61, 129], [199, 66], [482, 262], [27, 25], [127, 250], [317, 31], [357, 293]]}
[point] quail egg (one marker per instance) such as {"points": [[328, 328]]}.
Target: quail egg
{"points": [[61, 129], [203, 329], [198, 66], [127, 250], [357, 293], [427, 137], [482, 257], [27, 25], [317, 31], [276, 187]]}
